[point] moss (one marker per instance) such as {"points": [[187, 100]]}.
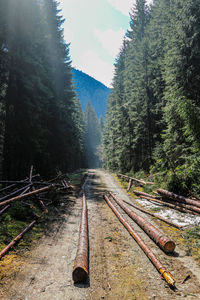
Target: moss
{"points": [[192, 242]]}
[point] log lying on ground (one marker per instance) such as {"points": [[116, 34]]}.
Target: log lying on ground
{"points": [[15, 192], [80, 270], [16, 239], [163, 241], [136, 180], [174, 203], [161, 269], [144, 194], [178, 198], [154, 215], [167, 204], [4, 209], [27, 195], [186, 206]]}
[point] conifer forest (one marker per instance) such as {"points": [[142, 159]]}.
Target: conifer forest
{"points": [[99, 183], [153, 120]]}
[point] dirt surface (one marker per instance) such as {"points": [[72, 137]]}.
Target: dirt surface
{"points": [[118, 267]]}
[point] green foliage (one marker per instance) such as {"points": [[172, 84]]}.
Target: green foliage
{"points": [[42, 125], [153, 115]]}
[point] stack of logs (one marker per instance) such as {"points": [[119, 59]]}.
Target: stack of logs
{"points": [[35, 193], [166, 198]]}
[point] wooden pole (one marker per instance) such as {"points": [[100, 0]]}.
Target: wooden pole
{"points": [[80, 270], [26, 195], [163, 241], [154, 215], [149, 253]]}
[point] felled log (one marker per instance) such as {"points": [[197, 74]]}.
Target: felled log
{"points": [[144, 194], [26, 195], [16, 239], [136, 180], [149, 253], [167, 204], [80, 269], [163, 241], [187, 206], [15, 192], [4, 209], [178, 198], [154, 215]]}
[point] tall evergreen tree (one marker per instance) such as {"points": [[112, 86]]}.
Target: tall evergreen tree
{"points": [[92, 137], [40, 102]]}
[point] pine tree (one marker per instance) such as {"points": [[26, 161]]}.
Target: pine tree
{"points": [[41, 110], [92, 137]]}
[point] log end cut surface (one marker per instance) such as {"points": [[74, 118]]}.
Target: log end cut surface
{"points": [[169, 246], [79, 275]]}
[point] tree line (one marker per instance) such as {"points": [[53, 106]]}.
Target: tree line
{"points": [[41, 121], [153, 117]]}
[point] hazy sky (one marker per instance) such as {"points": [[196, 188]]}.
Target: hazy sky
{"points": [[95, 29]]}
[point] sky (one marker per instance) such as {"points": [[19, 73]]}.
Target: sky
{"points": [[95, 31]]}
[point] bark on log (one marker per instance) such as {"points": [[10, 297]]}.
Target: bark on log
{"points": [[178, 198], [80, 270], [15, 192], [4, 209], [149, 253], [136, 180], [176, 207], [144, 194], [163, 241], [16, 239], [154, 215], [26, 195]]}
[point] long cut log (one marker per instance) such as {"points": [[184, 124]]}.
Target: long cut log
{"points": [[26, 195], [178, 198], [136, 180], [15, 192], [16, 239], [138, 193], [187, 206], [167, 204], [177, 204], [80, 270], [163, 241], [154, 215], [159, 266], [4, 209]]}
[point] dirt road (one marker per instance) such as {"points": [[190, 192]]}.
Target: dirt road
{"points": [[118, 267]]}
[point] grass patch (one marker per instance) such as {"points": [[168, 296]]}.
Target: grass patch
{"points": [[192, 239]]}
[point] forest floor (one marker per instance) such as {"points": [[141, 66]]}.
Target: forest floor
{"points": [[118, 267]]}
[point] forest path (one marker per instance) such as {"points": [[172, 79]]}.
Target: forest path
{"points": [[118, 267]]}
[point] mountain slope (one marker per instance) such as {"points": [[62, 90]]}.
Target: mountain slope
{"points": [[88, 88]]}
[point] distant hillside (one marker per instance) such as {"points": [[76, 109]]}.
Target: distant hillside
{"points": [[88, 88]]}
